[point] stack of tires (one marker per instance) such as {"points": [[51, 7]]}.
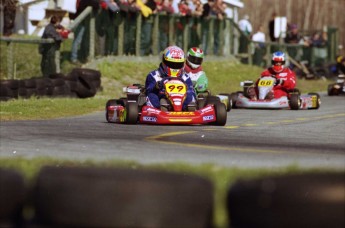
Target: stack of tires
{"points": [[79, 83]]}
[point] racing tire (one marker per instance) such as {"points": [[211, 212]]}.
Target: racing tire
{"points": [[318, 100], [233, 97], [112, 197], [294, 200], [13, 194], [132, 112], [229, 103], [111, 102], [221, 114], [331, 91], [212, 100], [294, 102]]}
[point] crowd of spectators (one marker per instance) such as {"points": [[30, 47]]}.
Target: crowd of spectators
{"points": [[111, 13]]}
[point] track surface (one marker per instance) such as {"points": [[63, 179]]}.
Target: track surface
{"points": [[251, 138]]}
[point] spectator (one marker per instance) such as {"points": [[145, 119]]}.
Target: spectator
{"points": [[79, 32], [9, 16], [271, 27], [196, 11], [131, 10], [205, 24], [246, 28], [293, 36], [164, 8], [110, 10], [318, 40], [259, 36], [48, 65], [259, 46], [217, 10], [147, 25]]}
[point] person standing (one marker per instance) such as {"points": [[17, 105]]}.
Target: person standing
{"points": [[48, 64], [246, 28], [9, 16], [271, 27], [259, 39]]}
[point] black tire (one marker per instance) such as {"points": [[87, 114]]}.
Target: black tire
{"points": [[229, 103], [12, 198], [201, 102], [331, 91], [28, 83], [109, 197], [294, 200], [11, 83], [212, 100], [318, 100], [233, 97], [85, 88], [7, 93], [89, 74], [294, 102], [221, 114], [111, 102], [132, 112]]}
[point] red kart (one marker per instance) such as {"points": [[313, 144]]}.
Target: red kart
{"points": [[133, 109]]}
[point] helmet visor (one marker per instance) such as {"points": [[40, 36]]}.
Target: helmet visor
{"points": [[173, 65], [195, 60]]}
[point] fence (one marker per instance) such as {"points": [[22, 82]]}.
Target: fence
{"points": [[138, 35]]}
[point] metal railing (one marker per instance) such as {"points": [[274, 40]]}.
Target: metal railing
{"points": [[224, 34]]}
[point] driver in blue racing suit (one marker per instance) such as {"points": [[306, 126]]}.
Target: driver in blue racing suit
{"points": [[172, 65]]}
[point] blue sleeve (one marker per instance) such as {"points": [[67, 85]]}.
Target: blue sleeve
{"points": [[150, 83]]}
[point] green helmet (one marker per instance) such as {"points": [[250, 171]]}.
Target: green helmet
{"points": [[194, 57]]}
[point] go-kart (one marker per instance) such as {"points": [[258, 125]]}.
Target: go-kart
{"points": [[200, 87], [133, 109], [337, 88], [293, 101]]}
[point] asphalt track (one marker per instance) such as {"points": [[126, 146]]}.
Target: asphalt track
{"points": [[251, 138]]}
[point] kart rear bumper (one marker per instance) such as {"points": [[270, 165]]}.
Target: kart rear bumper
{"points": [[244, 102]]}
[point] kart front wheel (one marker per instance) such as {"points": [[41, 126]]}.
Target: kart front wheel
{"points": [[229, 101], [316, 100], [295, 102], [132, 112], [112, 102], [221, 114]]}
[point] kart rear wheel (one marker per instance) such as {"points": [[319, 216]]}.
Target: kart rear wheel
{"points": [[111, 102], [318, 100], [295, 102], [229, 102], [213, 100], [331, 90], [132, 112], [221, 114], [233, 97]]}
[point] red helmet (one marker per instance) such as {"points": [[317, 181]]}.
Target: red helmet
{"points": [[173, 61], [278, 61]]}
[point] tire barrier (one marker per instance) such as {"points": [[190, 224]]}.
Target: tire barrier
{"points": [[12, 198], [79, 83], [306, 200], [108, 197], [111, 197]]}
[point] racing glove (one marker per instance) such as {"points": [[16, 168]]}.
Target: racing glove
{"points": [[279, 81], [159, 85]]}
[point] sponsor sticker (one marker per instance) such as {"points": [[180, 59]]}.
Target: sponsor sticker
{"points": [[182, 113], [283, 74], [206, 118], [149, 119]]}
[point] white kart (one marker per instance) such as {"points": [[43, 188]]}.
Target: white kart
{"points": [[293, 101]]}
